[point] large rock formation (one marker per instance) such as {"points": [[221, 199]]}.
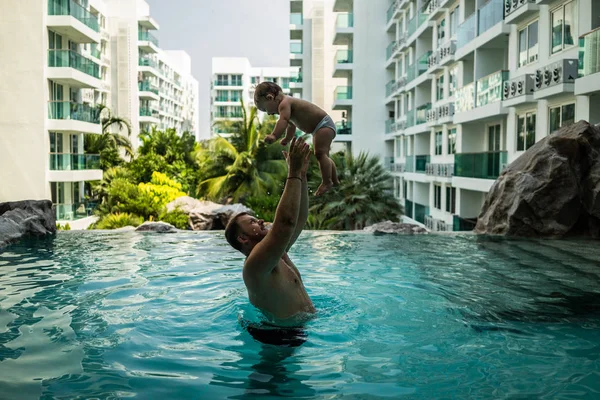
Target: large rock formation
{"points": [[156, 226], [552, 190], [206, 215], [389, 227], [19, 219]]}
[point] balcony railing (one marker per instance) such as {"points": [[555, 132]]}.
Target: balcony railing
{"points": [[345, 20], [466, 31], [297, 78], [419, 67], [420, 212], [480, 21], [72, 59], [489, 88], [69, 7], [389, 87], [510, 6], [589, 53], [416, 22], [408, 208], [392, 9], [443, 170], [389, 124], [147, 62], [146, 86], [66, 110], [343, 93], [343, 128], [390, 49], [148, 112], [296, 19], [146, 36], [465, 98], [343, 57], [71, 212], [74, 162], [422, 113], [296, 48], [410, 118], [417, 163], [487, 165], [229, 114], [463, 224]]}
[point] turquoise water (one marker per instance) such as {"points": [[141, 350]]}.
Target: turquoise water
{"points": [[118, 315]]}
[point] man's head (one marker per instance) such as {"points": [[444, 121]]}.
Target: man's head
{"points": [[267, 97], [244, 231]]}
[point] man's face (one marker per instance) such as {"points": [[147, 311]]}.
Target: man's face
{"points": [[252, 229], [268, 105]]}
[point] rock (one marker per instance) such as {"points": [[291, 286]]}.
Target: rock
{"points": [[206, 215], [20, 219], [389, 227], [127, 228], [551, 190], [158, 227]]}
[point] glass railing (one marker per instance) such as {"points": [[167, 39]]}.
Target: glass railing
{"points": [[296, 19], [410, 164], [420, 212], [148, 112], [230, 114], [296, 48], [343, 128], [74, 162], [422, 113], [70, 212], [389, 124], [390, 50], [391, 10], [463, 224], [95, 51], [343, 57], [411, 72], [410, 118], [389, 88], [72, 59], [486, 165], [489, 88], [466, 31], [296, 79], [421, 163], [343, 93], [147, 62], [416, 22], [69, 7], [464, 98], [408, 208], [345, 20], [589, 53], [423, 63], [489, 15], [146, 86], [146, 36], [66, 110]]}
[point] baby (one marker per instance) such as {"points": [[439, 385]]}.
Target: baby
{"points": [[297, 113]]}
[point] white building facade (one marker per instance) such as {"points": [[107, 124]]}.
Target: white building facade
{"points": [[83, 55], [469, 86]]}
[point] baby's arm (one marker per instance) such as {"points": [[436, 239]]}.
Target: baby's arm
{"points": [[285, 111], [289, 135]]}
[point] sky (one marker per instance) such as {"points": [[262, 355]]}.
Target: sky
{"points": [[256, 29]]}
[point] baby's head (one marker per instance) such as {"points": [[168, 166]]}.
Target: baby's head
{"points": [[267, 97]]}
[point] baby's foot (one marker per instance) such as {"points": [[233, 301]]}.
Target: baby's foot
{"points": [[324, 188], [336, 181]]}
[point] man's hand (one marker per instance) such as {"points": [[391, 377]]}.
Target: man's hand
{"points": [[304, 170], [298, 158], [270, 139]]}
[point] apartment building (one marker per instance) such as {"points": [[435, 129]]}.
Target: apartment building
{"points": [[64, 59], [471, 85]]}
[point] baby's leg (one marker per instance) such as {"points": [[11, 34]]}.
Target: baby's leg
{"points": [[334, 176], [289, 135], [322, 142]]}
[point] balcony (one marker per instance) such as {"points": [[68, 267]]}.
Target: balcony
{"points": [[296, 82], [148, 91], [421, 114], [149, 115], [73, 21], [342, 97], [437, 8], [74, 162], [417, 164], [296, 50], [148, 22], [487, 25], [296, 21], [68, 67], [517, 11], [418, 68], [343, 128], [342, 63], [490, 88], [147, 42], [467, 31], [487, 165], [420, 212], [589, 64], [344, 29], [228, 114], [228, 83], [72, 212], [148, 65], [343, 5], [437, 225], [415, 23], [463, 224], [484, 101], [71, 117], [440, 115], [465, 98], [518, 90], [441, 170], [556, 78], [390, 50]]}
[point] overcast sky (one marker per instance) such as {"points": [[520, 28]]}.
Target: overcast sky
{"points": [[257, 29]]}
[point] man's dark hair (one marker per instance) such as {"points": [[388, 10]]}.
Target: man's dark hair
{"points": [[265, 88], [232, 231]]}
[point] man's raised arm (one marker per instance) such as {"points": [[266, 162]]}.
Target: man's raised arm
{"points": [[266, 254], [303, 214]]}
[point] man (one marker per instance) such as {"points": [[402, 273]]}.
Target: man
{"points": [[273, 282]]}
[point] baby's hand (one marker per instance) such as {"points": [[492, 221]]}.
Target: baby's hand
{"points": [[270, 139], [284, 141]]}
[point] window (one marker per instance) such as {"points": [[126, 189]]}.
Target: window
{"points": [[437, 197], [398, 147], [285, 83], [563, 26], [441, 32], [451, 199], [438, 143], [235, 95], [222, 111], [452, 141], [525, 131], [222, 80], [494, 137], [405, 146], [454, 21], [452, 83], [561, 116], [254, 80], [236, 112], [236, 80], [439, 88], [221, 95], [528, 44]]}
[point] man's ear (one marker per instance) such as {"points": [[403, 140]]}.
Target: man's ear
{"points": [[242, 239]]}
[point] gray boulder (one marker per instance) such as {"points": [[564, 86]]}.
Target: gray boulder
{"points": [[158, 227], [389, 227], [20, 219], [551, 190], [206, 215]]}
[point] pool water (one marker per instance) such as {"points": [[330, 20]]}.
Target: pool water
{"points": [[150, 316]]}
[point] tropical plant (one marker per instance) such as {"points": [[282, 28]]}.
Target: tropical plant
{"points": [[177, 218], [242, 165], [362, 198], [109, 145], [117, 220]]}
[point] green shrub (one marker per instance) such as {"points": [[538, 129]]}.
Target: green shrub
{"points": [[65, 227], [117, 220], [263, 206], [177, 218]]}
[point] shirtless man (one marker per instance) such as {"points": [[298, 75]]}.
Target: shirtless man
{"points": [[273, 282]]}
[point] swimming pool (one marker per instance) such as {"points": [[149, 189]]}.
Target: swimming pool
{"points": [[116, 315]]}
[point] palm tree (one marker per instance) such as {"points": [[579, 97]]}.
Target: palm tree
{"points": [[362, 198], [241, 165], [109, 144]]}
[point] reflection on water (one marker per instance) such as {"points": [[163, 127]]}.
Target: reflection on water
{"points": [[106, 315]]}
